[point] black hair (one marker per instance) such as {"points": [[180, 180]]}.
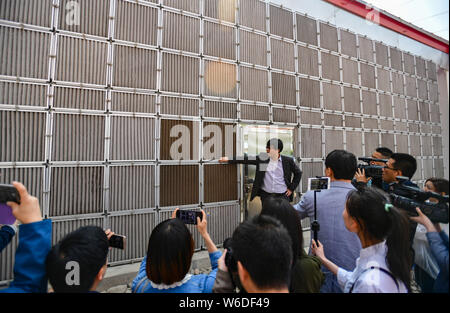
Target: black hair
{"points": [[367, 205], [283, 211], [275, 143], [440, 184], [405, 163], [88, 247], [263, 246], [169, 253], [343, 164], [386, 152]]}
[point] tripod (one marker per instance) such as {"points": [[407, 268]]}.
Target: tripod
{"points": [[315, 226]]}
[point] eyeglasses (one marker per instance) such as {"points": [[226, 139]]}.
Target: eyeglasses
{"points": [[391, 168]]}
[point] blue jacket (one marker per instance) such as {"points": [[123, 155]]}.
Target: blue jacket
{"points": [[201, 283], [6, 234], [439, 248], [29, 266]]}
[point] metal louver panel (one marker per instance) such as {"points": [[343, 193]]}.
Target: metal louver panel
{"points": [[309, 93], [179, 106], [185, 5], [62, 228], [284, 91], [180, 74], [181, 32], [219, 230], [78, 137], [132, 187], [306, 30], [383, 80], [354, 140], [408, 61], [179, 140], [76, 190], [381, 52], [22, 136], [27, 11], [332, 97], [24, 53], [179, 185], [75, 98], [7, 260], [224, 10], [253, 48], [23, 94], [310, 169], [328, 37], [348, 44], [333, 140], [281, 22], [367, 75], [365, 49], [31, 177], [352, 100], [254, 112], [220, 190], [308, 61], [82, 61], [219, 41], [311, 143], [330, 66], [253, 84], [220, 109], [284, 115], [133, 102], [220, 79], [252, 14], [282, 54]]}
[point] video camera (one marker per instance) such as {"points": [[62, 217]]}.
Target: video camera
{"points": [[374, 171], [408, 198]]}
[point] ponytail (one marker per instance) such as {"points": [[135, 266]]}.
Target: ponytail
{"points": [[380, 220]]}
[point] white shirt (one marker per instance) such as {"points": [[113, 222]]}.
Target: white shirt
{"points": [[372, 281], [274, 177]]}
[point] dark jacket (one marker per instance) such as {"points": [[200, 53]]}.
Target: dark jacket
{"points": [[289, 169], [6, 234], [307, 275]]}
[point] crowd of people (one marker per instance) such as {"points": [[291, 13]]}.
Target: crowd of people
{"points": [[365, 244]]}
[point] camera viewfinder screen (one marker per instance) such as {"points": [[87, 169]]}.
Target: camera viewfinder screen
{"points": [[318, 183], [189, 217]]}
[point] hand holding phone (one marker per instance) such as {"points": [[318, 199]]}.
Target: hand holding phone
{"points": [[189, 216], [25, 207], [117, 241]]}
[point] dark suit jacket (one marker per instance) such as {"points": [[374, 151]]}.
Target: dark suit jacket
{"points": [[289, 169]]}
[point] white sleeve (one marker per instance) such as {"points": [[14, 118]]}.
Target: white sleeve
{"points": [[342, 277]]}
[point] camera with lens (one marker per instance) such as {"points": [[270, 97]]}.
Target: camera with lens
{"points": [[372, 170], [409, 197]]}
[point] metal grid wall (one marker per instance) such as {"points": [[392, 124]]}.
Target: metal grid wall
{"points": [[86, 110]]}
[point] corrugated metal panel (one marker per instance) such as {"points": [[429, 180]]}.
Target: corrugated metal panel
{"points": [[397, 83], [313, 118], [92, 15], [384, 82], [350, 71], [365, 49], [425, 129], [414, 143], [433, 91], [333, 120], [30, 177], [413, 113], [426, 146], [437, 146], [399, 107], [411, 90], [435, 114], [381, 52], [132, 102], [413, 127], [76, 98], [134, 67], [308, 62], [311, 143], [252, 48], [352, 100], [284, 115], [223, 189], [220, 109], [136, 23], [62, 228], [401, 126], [220, 79], [333, 140], [78, 137], [408, 60], [367, 75], [219, 41], [253, 84], [218, 230], [179, 106], [431, 71], [281, 22], [421, 70], [330, 66], [76, 190], [370, 123], [396, 59], [283, 89], [369, 100], [348, 44], [185, 5], [282, 54], [328, 37], [427, 168], [224, 10], [371, 142], [179, 185], [351, 121], [424, 110], [23, 94], [27, 11], [387, 140], [436, 129], [185, 139], [254, 112], [418, 174], [24, 53], [132, 138], [137, 228], [387, 125], [385, 102], [7, 260], [422, 86], [81, 60], [439, 167], [181, 32], [306, 30], [402, 143], [354, 140], [131, 187], [309, 93], [252, 13], [180, 74], [22, 136], [310, 169], [332, 97]]}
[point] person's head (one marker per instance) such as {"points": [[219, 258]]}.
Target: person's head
{"points": [[381, 153], [369, 214], [262, 249], [437, 185], [399, 164], [274, 147], [169, 253], [284, 212], [340, 165], [78, 262]]}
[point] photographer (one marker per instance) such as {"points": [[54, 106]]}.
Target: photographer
{"points": [[341, 246], [34, 244], [385, 262], [256, 244], [170, 250], [438, 241], [360, 176], [78, 262]]}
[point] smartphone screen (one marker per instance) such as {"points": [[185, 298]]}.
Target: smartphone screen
{"points": [[318, 183], [188, 216], [117, 241], [6, 216]]}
